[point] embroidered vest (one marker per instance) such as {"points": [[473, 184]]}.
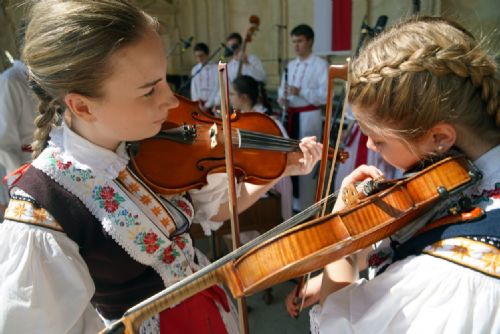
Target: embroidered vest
{"points": [[120, 281]]}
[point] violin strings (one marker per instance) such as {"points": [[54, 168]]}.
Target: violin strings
{"points": [[233, 255]]}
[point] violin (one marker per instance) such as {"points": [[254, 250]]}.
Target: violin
{"points": [[190, 145], [294, 248]]}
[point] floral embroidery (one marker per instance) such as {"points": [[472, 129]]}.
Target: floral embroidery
{"points": [[169, 255], [125, 218], [107, 198], [145, 242], [68, 169], [20, 210], [377, 258], [63, 165], [149, 242], [487, 195], [181, 241], [469, 253], [145, 199], [184, 207]]}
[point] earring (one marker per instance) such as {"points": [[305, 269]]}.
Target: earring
{"points": [[440, 148]]}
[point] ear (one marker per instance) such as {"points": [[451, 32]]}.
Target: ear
{"points": [[80, 106], [443, 137]]}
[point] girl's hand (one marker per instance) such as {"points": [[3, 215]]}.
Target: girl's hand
{"points": [[310, 292], [302, 163], [360, 174]]}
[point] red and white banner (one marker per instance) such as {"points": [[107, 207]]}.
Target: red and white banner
{"points": [[332, 26]]}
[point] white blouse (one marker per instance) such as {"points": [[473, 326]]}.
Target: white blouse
{"points": [[421, 294], [46, 286]]}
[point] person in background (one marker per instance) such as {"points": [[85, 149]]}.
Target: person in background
{"points": [[305, 93], [245, 96], [204, 82], [251, 65], [18, 109]]}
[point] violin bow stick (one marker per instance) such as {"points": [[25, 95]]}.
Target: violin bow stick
{"points": [[334, 72], [233, 209]]}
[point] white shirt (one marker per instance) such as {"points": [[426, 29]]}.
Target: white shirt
{"points": [[204, 85], [18, 109], [421, 294], [253, 68], [311, 76], [46, 285]]}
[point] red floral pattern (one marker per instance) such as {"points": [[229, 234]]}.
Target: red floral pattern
{"points": [[184, 207], [63, 165]]}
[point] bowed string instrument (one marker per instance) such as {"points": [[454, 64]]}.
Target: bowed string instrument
{"points": [[254, 26], [316, 240]]}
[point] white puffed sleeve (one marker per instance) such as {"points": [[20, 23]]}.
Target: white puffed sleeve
{"points": [[208, 199], [46, 286]]}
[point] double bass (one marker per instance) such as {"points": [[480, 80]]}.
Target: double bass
{"points": [[254, 26]]}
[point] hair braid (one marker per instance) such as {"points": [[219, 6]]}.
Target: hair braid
{"points": [[424, 71]]}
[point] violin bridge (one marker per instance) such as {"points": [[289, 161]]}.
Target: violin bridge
{"points": [[213, 135]]}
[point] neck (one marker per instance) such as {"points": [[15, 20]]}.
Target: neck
{"points": [[246, 107], [306, 55], [474, 145], [86, 132]]}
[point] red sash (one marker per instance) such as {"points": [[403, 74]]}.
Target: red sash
{"points": [[296, 110], [198, 314]]}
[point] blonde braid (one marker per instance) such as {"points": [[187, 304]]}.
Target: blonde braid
{"points": [[432, 66]]}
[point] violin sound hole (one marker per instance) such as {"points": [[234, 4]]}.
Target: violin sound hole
{"points": [[200, 165]]}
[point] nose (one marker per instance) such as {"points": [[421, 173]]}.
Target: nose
{"points": [[169, 99]]}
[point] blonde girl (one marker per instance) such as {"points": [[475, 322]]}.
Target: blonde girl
{"points": [[419, 90]]}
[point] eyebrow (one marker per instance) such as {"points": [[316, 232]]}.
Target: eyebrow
{"points": [[149, 84]]}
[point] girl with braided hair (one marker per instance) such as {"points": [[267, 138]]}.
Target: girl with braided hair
{"points": [[81, 232], [419, 90]]}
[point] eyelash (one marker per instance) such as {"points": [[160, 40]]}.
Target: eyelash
{"points": [[151, 92]]}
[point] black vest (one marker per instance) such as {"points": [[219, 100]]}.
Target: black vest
{"points": [[120, 281]]}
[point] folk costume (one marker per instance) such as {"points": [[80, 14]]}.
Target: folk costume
{"points": [[450, 285], [82, 233], [304, 113]]}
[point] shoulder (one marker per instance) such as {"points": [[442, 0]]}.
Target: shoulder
{"points": [[319, 61], [252, 57], [14, 79]]}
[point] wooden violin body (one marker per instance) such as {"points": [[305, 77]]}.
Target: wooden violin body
{"points": [[304, 248], [190, 146]]}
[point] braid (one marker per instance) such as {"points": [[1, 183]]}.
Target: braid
{"points": [[50, 111], [426, 71]]}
